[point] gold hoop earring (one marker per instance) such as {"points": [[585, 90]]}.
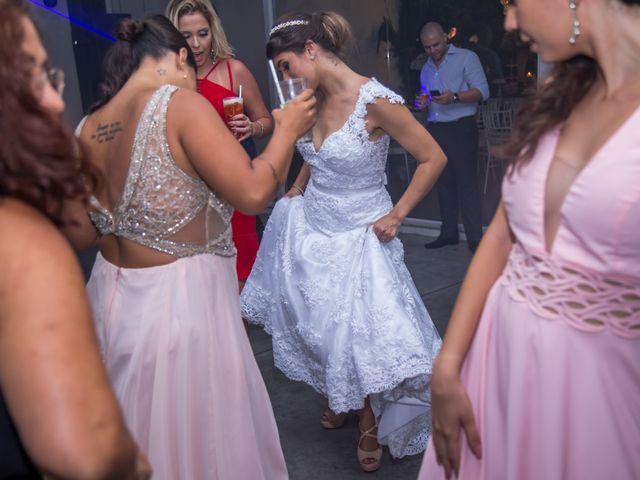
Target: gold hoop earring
{"points": [[575, 25]]}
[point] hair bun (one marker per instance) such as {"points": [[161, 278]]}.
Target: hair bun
{"points": [[129, 30]]}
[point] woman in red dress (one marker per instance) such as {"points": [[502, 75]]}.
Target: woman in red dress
{"points": [[220, 75]]}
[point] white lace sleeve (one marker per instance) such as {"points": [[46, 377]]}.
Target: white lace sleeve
{"points": [[372, 91]]}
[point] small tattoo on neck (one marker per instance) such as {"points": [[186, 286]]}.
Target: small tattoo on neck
{"points": [[162, 71], [106, 132]]}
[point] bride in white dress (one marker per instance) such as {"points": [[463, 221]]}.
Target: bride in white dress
{"points": [[330, 284]]}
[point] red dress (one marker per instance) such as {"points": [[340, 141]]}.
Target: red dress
{"points": [[243, 226]]}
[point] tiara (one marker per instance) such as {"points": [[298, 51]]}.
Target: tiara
{"points": [[290, 23]]}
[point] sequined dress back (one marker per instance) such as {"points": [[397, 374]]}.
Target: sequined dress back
{"points": [[171, 337], [162, 207]]}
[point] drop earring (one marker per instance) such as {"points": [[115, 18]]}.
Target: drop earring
{"points": [[575, 25]]}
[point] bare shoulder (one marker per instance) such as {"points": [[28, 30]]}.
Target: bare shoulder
{"points": [[186, 100], [30, 245], [239, 69], [187, 105], [237, 65]]}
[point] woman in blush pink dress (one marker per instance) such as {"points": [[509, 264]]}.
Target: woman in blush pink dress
{"points": [[163, 288], [539, 374]]}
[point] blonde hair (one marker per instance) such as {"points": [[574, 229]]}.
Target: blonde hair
{"points": [[220, 46]]}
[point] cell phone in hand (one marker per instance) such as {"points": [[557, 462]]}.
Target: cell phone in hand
{"points": [[435, 93]]}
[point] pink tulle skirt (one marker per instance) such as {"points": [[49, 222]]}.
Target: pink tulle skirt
{"points": [[182, 367]]}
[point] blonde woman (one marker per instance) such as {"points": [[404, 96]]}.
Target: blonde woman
{"points": [[220, 75]]}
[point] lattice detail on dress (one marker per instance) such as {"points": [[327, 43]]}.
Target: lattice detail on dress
{"points": [[585, 299]]}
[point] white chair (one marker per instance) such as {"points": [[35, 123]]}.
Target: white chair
{"points": [[497, 118]]}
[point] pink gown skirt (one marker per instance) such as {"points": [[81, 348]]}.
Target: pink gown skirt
{"points": [[551, 401], [183, 369]]}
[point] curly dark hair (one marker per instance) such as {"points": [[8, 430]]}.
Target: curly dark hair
{"points": [[40, 161], [568, 83]]}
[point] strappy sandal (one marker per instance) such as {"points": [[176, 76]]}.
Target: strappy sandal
{"points": [[330, 420], [375, 455]]}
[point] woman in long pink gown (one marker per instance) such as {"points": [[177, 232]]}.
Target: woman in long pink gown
{"points": [[539, 374], [163, 288]]}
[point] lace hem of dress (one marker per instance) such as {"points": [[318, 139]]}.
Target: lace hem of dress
{"points": [[586, 300]]}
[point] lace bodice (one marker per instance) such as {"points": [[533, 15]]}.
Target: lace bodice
{"points": [[346, 188], [347, 158], [163, 207]]}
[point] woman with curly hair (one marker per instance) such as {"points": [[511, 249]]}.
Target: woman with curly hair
{"points": [[539, 373], [58, 414]]}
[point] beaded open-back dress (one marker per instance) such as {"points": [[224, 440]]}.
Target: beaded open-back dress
{"points": [[171, 336]]}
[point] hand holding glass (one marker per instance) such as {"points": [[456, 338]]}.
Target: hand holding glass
{"points": [[291, 88], [232, 106]]}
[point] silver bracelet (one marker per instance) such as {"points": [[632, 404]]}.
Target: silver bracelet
{"points": [[298, 188]]}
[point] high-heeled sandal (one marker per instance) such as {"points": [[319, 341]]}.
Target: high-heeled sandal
{"points": [[375, 455], [330, 420]]}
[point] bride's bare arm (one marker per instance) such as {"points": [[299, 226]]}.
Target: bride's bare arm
{"points": [[397, 121]]}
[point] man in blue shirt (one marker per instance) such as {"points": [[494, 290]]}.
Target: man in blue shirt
{"points": [[457, 82]]}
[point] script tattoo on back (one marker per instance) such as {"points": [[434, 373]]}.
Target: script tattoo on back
{"points": [[106, 132]]}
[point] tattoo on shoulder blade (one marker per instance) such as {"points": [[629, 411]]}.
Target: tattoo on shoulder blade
{"points": [[106, 132]]}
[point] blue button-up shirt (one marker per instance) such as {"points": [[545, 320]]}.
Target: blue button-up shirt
{"points": [[460, 70]]}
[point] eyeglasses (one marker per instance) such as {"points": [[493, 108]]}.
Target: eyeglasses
{"points": [[52, 76]]}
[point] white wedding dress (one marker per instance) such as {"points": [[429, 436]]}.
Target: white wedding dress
{"points": [[343, 311]]}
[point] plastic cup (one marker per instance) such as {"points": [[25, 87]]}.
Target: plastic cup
{"points": [[291, 88], [421, 101], [232, 106]]}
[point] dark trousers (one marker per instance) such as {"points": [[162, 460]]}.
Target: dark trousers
{"points": [[458, 183]]}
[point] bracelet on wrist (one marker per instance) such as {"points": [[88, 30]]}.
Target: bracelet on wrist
{"points": [[298, 188], [261, 129]]}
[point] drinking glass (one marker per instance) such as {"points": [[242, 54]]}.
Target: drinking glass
{"points": [[291, 88], [232, 106]]}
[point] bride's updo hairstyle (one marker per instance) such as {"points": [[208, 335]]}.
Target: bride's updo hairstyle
{"points": [[291, 31]]}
